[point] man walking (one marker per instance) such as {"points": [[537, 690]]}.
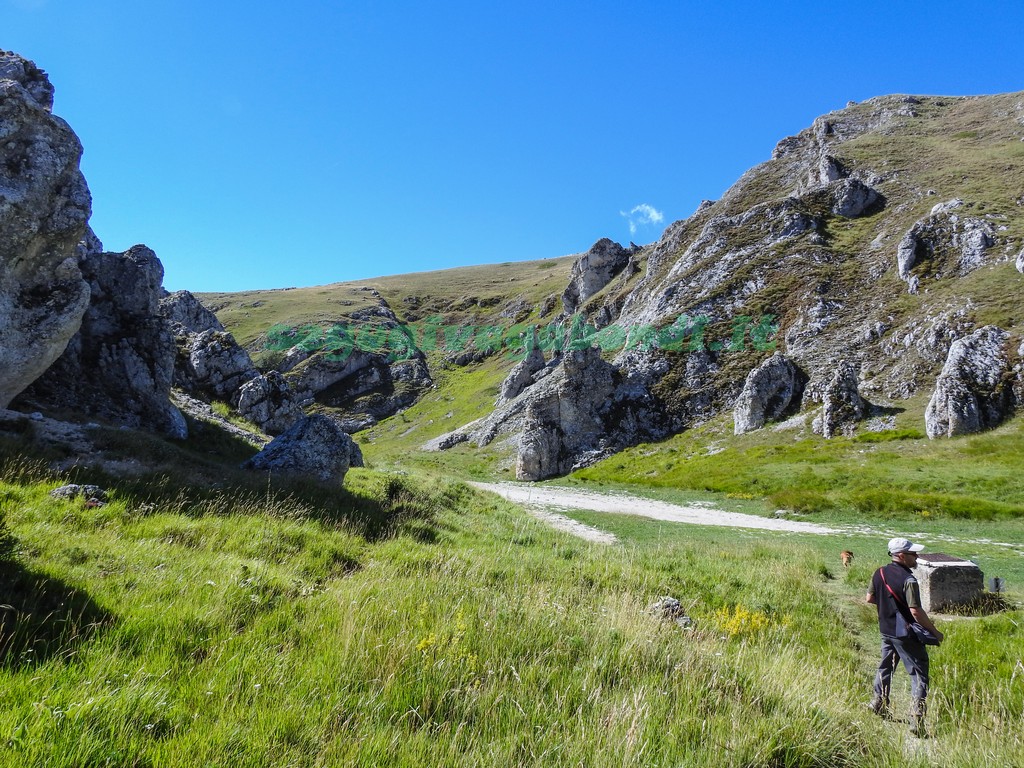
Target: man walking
{"points": [[894, 590]]}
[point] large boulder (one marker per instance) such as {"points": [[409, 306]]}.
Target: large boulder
{"points": [[120, 364], [315, 447], [842, 405], [269, 402], [593, 271], [187, 315], [569, 421], [770, 391], [44, 210], [974, 391]]}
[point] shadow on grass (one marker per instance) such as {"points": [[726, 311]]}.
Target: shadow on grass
{"points": [[43, 618], [370, 504], [985, 604]]}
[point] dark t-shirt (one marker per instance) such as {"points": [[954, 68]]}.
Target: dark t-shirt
{"points": [[901, 580]]}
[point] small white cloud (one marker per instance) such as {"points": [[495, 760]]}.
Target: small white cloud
{"points": [[642, 215]]}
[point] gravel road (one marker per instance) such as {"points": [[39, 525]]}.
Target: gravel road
{"points": [[543, 500]]}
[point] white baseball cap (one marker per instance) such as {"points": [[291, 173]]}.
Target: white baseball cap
{"points": [[903, 545]]}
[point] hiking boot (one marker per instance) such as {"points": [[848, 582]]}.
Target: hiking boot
{"points": [[917, 712], [879, 706]]}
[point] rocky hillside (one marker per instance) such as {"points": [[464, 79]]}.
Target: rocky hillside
{"points": [[869, 268]]}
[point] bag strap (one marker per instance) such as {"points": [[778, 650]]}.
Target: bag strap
{"points": [[901, 604]]}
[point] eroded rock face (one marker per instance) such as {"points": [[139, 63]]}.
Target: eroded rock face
{"points": [[830, 169], [593, 271], [852, 198], [213, 365], [973, 392], [568, 421], [578, 411], [365, 386], [217, 365], [770, 391], [842, 405], [522, 374], [1020, 262], [362, 380], [44, 209], [120, 364], [268, 401], [315, 447], [945, 231], [187, 315]]}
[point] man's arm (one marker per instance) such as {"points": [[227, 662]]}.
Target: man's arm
{"points": [[919, 614], [921, 617], [870, 597]]}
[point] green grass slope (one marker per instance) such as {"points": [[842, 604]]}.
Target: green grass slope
{"points": [[179, 627], [461, 295]]}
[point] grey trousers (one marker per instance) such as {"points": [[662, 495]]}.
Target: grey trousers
{"points": [[914, 656]]}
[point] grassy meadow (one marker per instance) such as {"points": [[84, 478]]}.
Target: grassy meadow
{"points": [[412, 621]]}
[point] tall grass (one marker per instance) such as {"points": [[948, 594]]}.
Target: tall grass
{"points": [[459, 633]]}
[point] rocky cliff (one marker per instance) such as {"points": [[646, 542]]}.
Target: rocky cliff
{"points": [[88, 334], [833, 279], [44, 210]]}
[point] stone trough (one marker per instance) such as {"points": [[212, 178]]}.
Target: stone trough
{"points": [[947, 581]]}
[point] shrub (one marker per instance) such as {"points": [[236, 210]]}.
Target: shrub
{"points": [[800, 500]]}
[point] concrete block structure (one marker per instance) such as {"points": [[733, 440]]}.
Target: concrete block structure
{"points": [[947, 581]]}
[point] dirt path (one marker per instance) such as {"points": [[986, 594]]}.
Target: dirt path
{"points": [[545, 498]]}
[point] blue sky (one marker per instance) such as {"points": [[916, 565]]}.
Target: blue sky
{"points": [[261, 145]]}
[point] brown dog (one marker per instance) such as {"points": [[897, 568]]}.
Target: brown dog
{"points": [[847, 557]]}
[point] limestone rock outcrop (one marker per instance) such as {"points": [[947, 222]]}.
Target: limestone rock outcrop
{"points": [[593, 271], [120, 364], [771, 390], [44, 209], [945, 233], [852, 198], [187, 315], [217, 364], [211, 364], [830, 169], [364, 381], [315, 447], [842, 404], [568, 421], [522, 374], [583, 409], [1020, 262], [973, 392], [269, 402]]}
